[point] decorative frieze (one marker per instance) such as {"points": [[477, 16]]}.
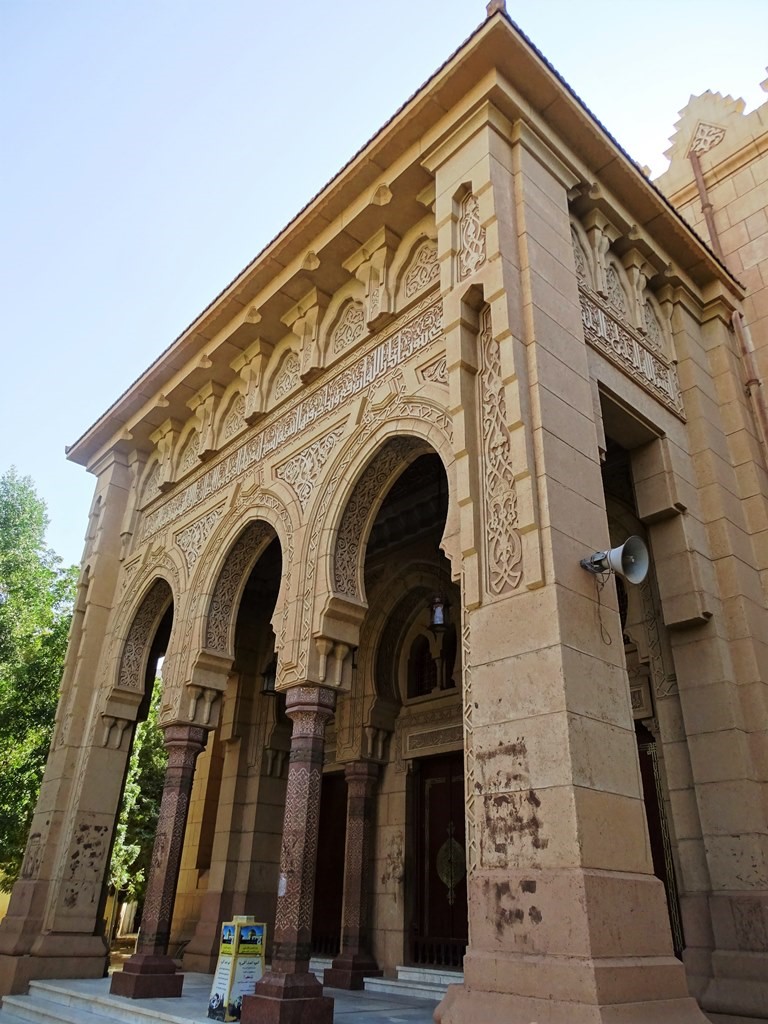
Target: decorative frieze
{"points": [[408, 336], [288, 377], [233, 421], [630, 353], [302, 471]]}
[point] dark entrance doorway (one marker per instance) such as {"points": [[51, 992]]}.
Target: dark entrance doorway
{"points": [[438, 930], [658, 831], [329, 881]]}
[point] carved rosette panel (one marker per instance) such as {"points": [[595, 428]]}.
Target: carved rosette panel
{"points": [[140, 636], [422, 271], [302, 472], [472, 248], [504, 550], [288, 376], [233, 421], [192, 538], [228, 585], [350, 328], [630, 352], [395, 454]]}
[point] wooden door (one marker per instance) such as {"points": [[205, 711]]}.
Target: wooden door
{"points": [[439, 871]]}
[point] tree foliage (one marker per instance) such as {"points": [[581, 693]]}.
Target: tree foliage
{"points": [[135, 833], [36, 595]]}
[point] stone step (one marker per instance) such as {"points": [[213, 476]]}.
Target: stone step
{"points": [[89, 1002], [411, 989], [37, 1010], [430, 975]]}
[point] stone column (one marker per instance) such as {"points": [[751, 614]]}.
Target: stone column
{"points": [[355, 962], [288, 993], [150, 972]]}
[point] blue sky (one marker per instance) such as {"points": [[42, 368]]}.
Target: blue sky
{"points": [[151, 147]]}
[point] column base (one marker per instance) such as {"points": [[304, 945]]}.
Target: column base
{"points": [[287, 999], [352, 978], [16, 971], [460, 1005], [739, 984], [147, 976]]}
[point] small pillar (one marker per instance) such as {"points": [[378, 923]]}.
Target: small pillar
{"points": [[288, 993], [355, 962], [150, 972]]}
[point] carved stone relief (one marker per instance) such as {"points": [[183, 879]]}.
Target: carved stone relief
{"points": [[407, 336], [504, 550], [301, 472], [350, 328], [435, 372], [580, 259], [472, 250], [140, 636], [706, 137], [617, 298], [417, 730], [470, 784], [653, 332], [630, 353], [422, 270], [233, 421], [395, 454], [231, 578], [192, 538], [288, 377]]}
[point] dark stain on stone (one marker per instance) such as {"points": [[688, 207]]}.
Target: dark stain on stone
{"points": [[535, 915], [528, 885]]}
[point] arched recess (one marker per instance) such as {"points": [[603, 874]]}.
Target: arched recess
{"points": [[156, 608], [221, 613]]}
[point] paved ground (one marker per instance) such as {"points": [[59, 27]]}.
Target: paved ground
{"points": [[349, 1007]]}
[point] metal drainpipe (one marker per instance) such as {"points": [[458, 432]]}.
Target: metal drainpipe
{"points": [[754, 383]]}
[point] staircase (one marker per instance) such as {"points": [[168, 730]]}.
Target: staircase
{"points": [[88, 1002]]}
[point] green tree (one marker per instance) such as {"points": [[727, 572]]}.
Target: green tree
{"points": [[36, 595], [135, 833]]}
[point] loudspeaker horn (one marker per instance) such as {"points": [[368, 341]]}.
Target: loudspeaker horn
{"points": [[629, 560]]}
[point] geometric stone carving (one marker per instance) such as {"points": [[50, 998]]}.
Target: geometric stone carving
{"points": [[653, 332], [302, 471], [423, 269], [472, 252], [503, 545], [141, 635]]}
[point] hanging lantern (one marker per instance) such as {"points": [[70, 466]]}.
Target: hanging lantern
{"points": [[438, 614], [269, 675]]}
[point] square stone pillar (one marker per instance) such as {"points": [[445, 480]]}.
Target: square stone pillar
{"points": [[568, 924]]}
